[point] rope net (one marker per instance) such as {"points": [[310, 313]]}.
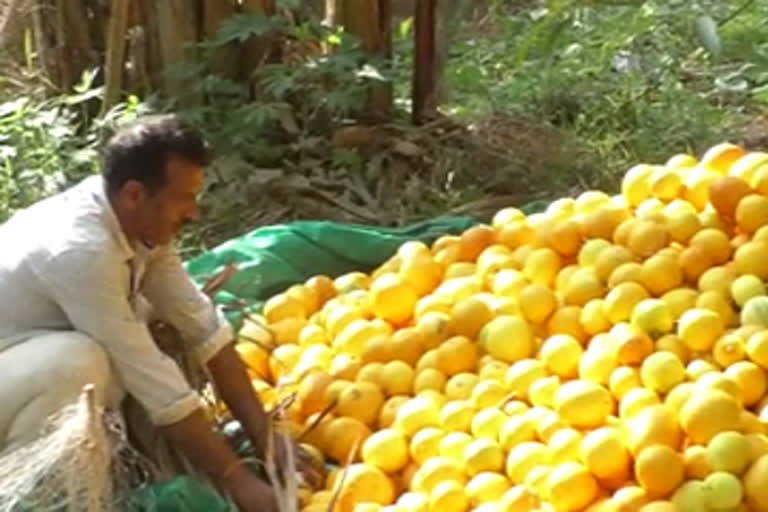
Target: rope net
{"points": [[82, 462]]}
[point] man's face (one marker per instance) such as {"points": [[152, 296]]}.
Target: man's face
{"points": [[160, 216]]}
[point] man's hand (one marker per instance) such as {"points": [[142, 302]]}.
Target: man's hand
{"points": [[250, 493], [312, 476], [208, 451], [235, 387]]}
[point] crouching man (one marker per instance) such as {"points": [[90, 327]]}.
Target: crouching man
{"points": [[73, 268]]}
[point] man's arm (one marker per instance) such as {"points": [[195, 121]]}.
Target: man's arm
{"points": [[210, 452], [236, 390], [178, 301]]}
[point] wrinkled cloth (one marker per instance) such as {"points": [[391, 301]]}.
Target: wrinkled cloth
{"points": [[45, 374], [66, 266]]}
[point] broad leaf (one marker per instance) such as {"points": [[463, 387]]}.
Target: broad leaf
{"points": [[240, 27]]}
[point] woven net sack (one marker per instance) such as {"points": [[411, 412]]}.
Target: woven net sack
{"points": [[81, 462]]}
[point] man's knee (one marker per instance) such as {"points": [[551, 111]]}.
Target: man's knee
{"points": [[80, 358], [47, 373], [81, 361]]}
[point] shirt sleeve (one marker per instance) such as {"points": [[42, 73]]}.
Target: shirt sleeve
{"points": [[92, 291], [177, 300]]}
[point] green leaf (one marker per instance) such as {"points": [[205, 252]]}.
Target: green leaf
{"points": [[405, 27], [240, 27], [333, 39]]}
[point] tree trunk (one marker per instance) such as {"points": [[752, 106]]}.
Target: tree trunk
{"points": [[370, 21], [382, 94], [177, 23], [361, 18], [153, 55], [424, 82], [45, 40], [75, 41], [115, 57], [223, 60], [139, 74], [256, 51]]}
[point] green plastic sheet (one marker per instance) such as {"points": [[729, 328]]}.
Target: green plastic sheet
{"points": [[181, 494], [272, 258]]}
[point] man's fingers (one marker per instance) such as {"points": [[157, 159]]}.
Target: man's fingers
{"points": [[312, 477], [304, 464]]}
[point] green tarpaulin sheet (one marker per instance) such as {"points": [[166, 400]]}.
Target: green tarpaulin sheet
{"points": [[181, 494], [272, 258]]}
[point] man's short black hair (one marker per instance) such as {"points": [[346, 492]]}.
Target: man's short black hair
{"points": [[141, 151]]}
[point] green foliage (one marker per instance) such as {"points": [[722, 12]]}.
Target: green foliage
{"points": [[299, 96], [47, 144], [273, 116], [275, 124], [633, 82]]}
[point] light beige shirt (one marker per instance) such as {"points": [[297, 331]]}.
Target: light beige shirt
{"points": [[66, 265]]}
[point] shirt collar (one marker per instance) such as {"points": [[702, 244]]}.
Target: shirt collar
{"points": [[97, 187]]}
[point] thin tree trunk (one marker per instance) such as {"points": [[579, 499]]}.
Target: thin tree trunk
{"points": [[331, 12], [137, 74], [154, 59], [65, 73], [385, 27], [98, 26], [74, 41], [381, 97], [45, 40], [115, 54], [330, 19], [139, 79], [424, 61]]}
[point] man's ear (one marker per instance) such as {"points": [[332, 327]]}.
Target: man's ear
{"points": [[133, 192]]}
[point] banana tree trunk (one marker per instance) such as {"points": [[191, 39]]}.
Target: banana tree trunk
{"points": [[115, 58], [370, 21], [177, 23]]}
